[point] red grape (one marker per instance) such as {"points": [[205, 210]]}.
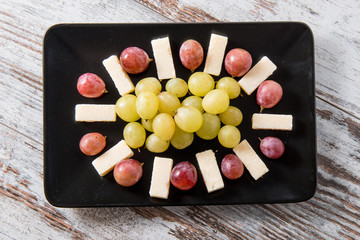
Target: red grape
{"points": [[92, 143], [232, 167], [237, 62], [191, 54], [184, 175], [272, 147], [90, 85], [128, 172], [134, 60], [269, 94]]}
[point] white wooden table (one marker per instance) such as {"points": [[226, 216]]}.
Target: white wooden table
{"points": [[334, 211]]}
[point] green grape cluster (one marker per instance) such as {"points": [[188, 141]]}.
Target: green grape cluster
{"points": [[204, 109]]}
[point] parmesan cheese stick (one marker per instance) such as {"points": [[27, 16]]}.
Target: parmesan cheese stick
{"points": [[95, 113], [121, 79], [215, 54], [272, 121], [108, 160], [160, 179], [163, 58], [259, 73], [210, 171], [251, 160]]}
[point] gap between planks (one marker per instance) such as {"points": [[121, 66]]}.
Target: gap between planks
{"points": [[336, 106]]}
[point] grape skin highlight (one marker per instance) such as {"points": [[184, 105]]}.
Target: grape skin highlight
{"points": [[189, 119], [125, 108], [164, 126], [90, 85], [155, 144], [128, 172], [148, 84], [272, 147], [181, 139], [184, 176], [191, 54], [210, 127], [92, 143], [177, 86], [216, 101], [134, 134], [232, 116], [134, 60], [200, 83], [230, 85], [147, 105], [229, 136]]}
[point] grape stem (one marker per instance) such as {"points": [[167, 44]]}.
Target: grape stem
{"points": [[260, 139], [105, 91], [261, 109]]}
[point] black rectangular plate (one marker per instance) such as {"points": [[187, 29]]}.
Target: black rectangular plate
{"points": [[73, 49]]}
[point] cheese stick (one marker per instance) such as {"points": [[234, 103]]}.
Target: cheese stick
{"points": [[259, 73], [251, 160], [160, 179], [210, 171], [272, 121], [121, 79], [215, 54], [95, 113], [163, 58], [108, 160]]}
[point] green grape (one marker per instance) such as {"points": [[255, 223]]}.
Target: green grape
{"points": [[230, 85], [147, 123], [229, 136], [126, 108], [164, 126], [193, 101], [134, 134], [189, 119], [200, 83], [147, 105], [149, 84], [216, 101], [177, 86], [232, 116], [210, 127], [181, 139], [155, 144], [168, 103]]}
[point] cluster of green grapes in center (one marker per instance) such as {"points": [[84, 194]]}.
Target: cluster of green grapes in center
{"points": [[171, 121]]}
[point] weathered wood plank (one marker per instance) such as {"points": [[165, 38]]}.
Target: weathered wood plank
{"points": [[332, 213], [21, 45], [337, 44], [336, 205]]}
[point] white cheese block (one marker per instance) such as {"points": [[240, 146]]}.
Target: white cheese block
{"points": [[210, 171], [272, 121], [121, 79], [95, 113], [163, 58], [215, 54], [160, 179], [259, 73], [251, 160], [108, 160]]}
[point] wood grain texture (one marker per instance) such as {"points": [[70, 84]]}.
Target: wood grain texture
{"points": [[337, 44], [332, 213]]}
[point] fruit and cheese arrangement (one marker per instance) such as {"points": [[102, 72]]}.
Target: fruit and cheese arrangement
{"points": [[164, 110]]}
